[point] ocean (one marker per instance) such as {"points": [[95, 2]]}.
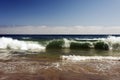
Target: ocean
{"points": [[67, 57], [55, 36], [59, 45]]}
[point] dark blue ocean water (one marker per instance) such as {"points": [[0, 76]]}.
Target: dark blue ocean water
{"points": [[51, 36]]}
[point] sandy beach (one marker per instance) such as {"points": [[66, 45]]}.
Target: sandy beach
{"points": [[62, 70]]}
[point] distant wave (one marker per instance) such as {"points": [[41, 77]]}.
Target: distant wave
{"points": [[26, 37]]}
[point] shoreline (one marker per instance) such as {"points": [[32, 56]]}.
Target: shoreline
{"points": [[38, 70]]}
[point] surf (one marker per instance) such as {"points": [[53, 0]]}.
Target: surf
{"points": [[109, 43], [88, 58], [14, 44]]}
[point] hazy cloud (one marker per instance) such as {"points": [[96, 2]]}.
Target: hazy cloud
{"points": [[60, 30]]}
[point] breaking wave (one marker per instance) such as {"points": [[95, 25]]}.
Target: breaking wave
{"points": [[109, 43], [14, 44]]}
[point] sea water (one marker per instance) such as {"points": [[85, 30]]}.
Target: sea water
{"points": [[60, 57], [60, 46]]}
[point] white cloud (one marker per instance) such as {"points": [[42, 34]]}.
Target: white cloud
{"points": [[60, 30]]}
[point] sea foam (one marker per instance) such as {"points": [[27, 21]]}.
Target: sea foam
{"points": [[83, 58], [9, 43], [114, 42], [109, 43]]}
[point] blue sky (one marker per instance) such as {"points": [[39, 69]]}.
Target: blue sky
{"points": [[60, 16], [60, 12]]}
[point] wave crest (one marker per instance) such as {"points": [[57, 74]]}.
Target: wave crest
{"points": [[9, 43]]}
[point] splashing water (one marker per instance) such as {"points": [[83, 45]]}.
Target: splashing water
{"points": [[112, 42], [9, 43], [66, 43]]}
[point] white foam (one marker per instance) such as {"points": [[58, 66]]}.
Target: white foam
{"points": [[83, 58], [113, 42], [10, 43], [5, 56], [26, 38], [67, 43], [113, 39]]}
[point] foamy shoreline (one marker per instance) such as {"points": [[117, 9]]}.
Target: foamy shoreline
{"points": [[82, 58]]}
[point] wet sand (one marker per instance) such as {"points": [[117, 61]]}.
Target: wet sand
{"points": [[61, 70]]}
